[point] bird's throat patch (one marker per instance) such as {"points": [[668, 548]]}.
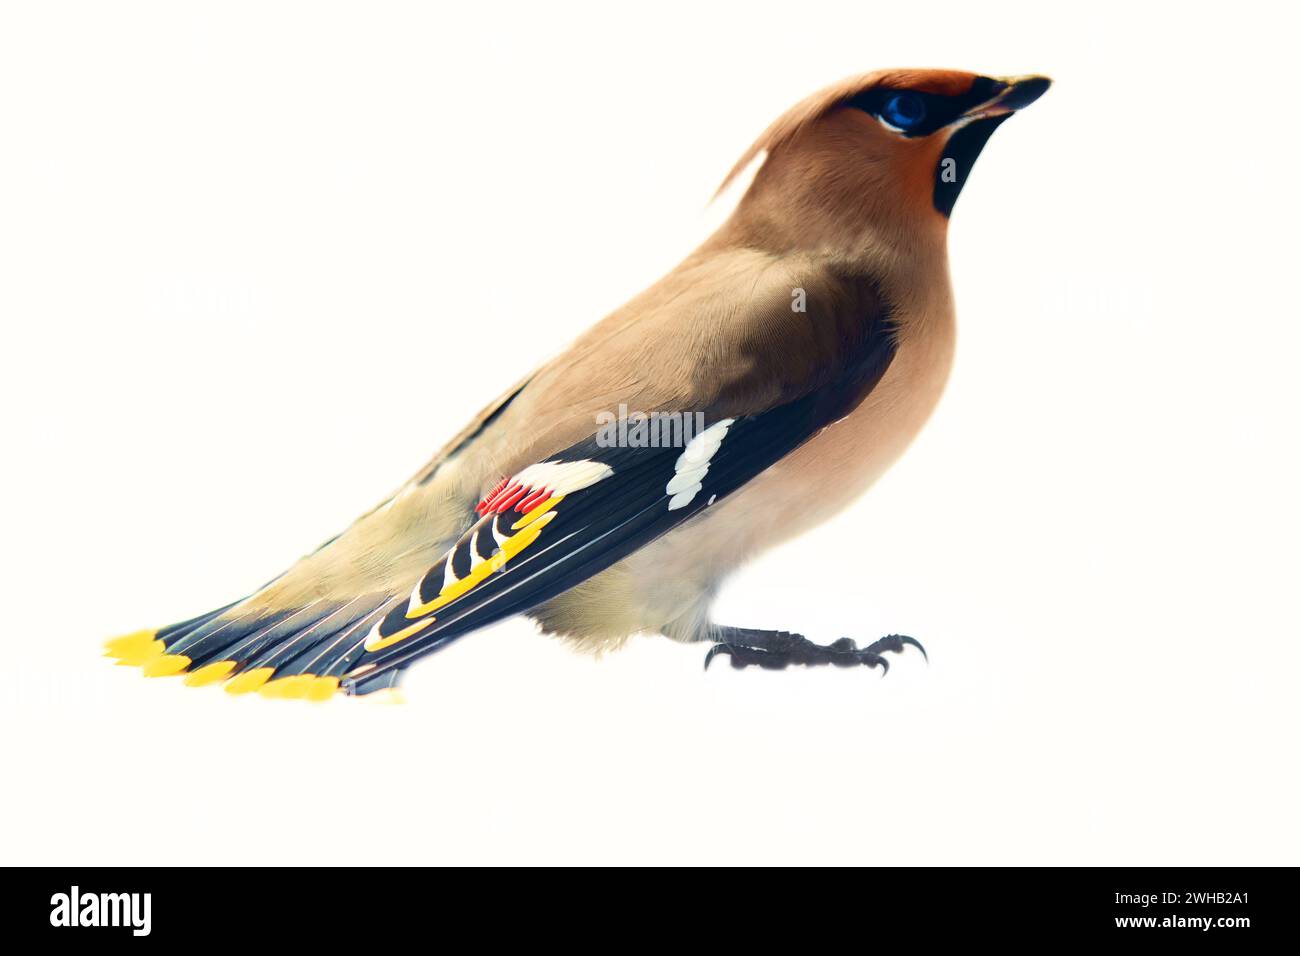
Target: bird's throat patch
{"points": [[958, 157]]}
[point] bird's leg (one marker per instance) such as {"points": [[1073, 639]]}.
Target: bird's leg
{"points": [[779, 649]]}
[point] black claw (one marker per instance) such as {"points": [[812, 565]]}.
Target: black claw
{"points": [[776, 650], [894, 643], [917, 644]]}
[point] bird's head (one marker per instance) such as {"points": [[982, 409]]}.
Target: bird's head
{"points": [[879, 158]]}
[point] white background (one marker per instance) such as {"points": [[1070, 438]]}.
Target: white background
{"points": [[257, 261]]}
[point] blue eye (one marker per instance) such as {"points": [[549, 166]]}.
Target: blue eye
{"points": [[903, 111]]}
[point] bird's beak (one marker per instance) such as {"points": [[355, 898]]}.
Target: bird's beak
{"points": [[1018, 93], [971, 131]]}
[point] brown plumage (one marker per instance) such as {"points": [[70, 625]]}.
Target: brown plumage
{"points": [[845, 214]]}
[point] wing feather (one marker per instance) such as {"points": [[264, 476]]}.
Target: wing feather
{"points": [[640, 494]]}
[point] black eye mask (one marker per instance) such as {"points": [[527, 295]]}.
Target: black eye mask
{"points": [[939, 110]]}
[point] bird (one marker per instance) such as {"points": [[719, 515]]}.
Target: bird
{"points": [[750, 394]]}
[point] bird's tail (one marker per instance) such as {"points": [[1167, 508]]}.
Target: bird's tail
{"points": [[301, 653]]}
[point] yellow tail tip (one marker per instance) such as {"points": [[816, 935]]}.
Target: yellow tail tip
{"points": [[166, 665], [293, 687], [143, 656], [209, 673], [322, 688], [249, 681], [136, 648]]}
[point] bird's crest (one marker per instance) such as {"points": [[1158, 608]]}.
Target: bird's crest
{"points": [[802, 114]]}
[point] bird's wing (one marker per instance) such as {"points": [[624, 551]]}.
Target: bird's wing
{"points": [[778, 375], [565, 517], [558, 522]]}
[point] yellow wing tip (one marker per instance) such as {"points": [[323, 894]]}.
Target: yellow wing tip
{"points": [[376, 643], [535, 512]]}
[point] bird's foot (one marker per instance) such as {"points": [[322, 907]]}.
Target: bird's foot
{"points": [[776, 650]]}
